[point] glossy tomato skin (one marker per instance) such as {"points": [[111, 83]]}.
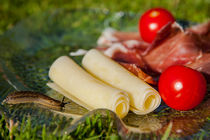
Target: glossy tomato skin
{"points": [[182, 88], [152, 21]]}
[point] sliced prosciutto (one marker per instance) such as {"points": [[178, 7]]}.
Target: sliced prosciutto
{"points": [[181, 49], [173, 45], [202, 64], [109, 36], [139, 73], [201, 29], [124, 47], [120, 53]]}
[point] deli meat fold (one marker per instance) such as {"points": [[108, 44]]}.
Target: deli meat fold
{"points": [[173, 45]]}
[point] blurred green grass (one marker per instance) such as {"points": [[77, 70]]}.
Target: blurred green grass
{"points": [[12, 11]]}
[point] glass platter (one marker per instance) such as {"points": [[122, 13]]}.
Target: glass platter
{"points": [[28, 50]]}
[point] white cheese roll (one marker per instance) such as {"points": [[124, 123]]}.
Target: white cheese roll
{"points": [[143, 98], [75, 83]]}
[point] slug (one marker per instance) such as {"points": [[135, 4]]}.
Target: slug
{"points": [[20, 97]]}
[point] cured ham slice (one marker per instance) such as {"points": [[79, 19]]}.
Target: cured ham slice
{"points": [[172, 46], [122, 53], [202, 64], [181, 49], [138, 72], [109, 36], [130, 40], [131, 57], [201, 29], [167, 31], [124, 47]]}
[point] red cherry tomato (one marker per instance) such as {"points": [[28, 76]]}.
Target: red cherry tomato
{"points": [[182, 88], [152, 21]]}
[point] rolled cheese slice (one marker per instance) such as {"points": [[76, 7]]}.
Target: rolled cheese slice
{"points": [[75, 83], [143, 98]]}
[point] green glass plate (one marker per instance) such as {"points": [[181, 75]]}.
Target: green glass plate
{"points": [[28, 50]]}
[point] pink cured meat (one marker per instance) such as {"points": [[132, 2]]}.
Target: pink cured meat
{"points": [[172, 46], [189, 48], [124, 47], [201, 29], [181, 49], [121, 53], [131, 57], [202, 64], [110, 36]]}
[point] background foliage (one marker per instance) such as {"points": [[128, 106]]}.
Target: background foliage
{"points": [[12, 11]]}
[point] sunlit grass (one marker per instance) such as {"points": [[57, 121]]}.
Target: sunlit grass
{"points": [[93, 128], [12, 11]]}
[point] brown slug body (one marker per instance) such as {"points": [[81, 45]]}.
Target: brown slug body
{"points": [[20, 97]]}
